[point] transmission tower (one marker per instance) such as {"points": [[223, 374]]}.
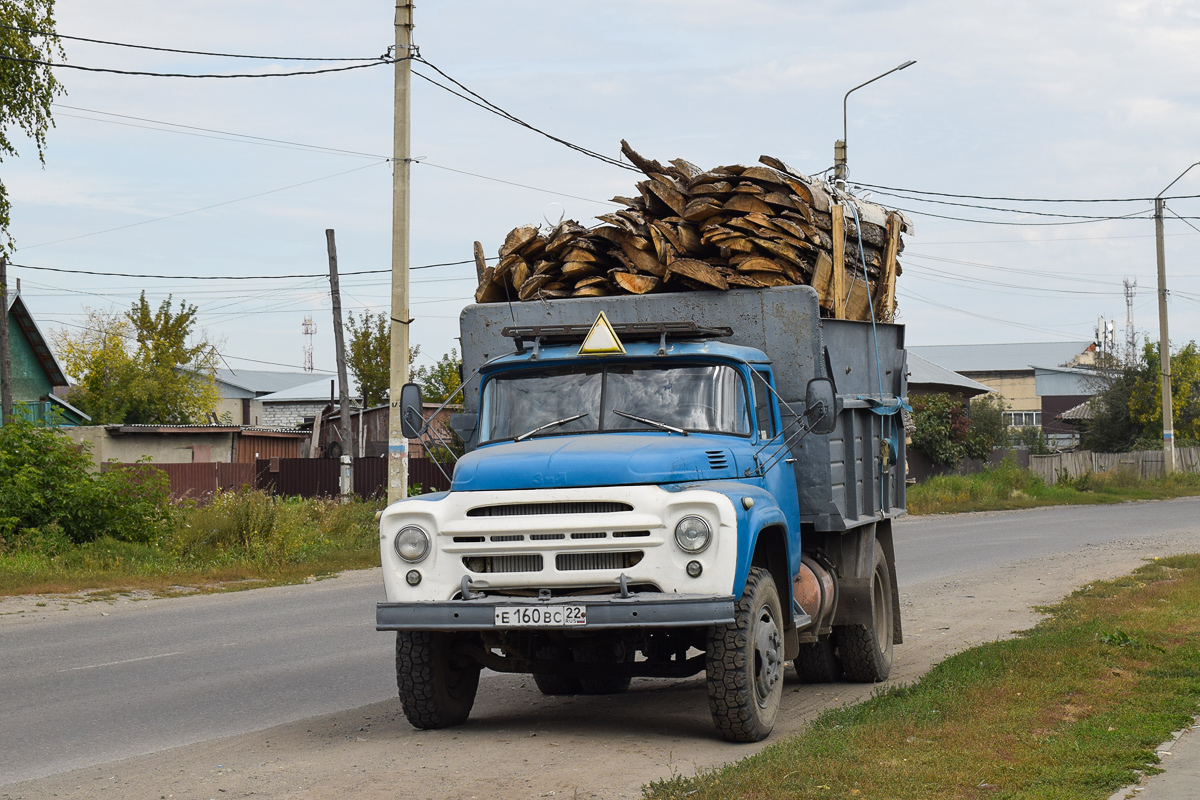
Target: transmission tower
{"points": [[310, 330], [1130, 331]]}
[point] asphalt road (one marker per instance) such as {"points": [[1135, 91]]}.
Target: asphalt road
{"points": [[96, 685]]}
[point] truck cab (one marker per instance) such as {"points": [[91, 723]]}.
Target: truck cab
{"points": [[630, 505]]}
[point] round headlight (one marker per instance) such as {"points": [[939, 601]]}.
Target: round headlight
{"points": [[412, 544], [693, 534]]}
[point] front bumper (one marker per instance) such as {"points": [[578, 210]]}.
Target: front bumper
{"points": [[638, 610]]}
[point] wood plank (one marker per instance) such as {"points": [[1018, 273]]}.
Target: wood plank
{"points": [[885, 294], [480, 262], [837, 286]]}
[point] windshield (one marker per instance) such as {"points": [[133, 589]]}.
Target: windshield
{"points": [[700, 397]]}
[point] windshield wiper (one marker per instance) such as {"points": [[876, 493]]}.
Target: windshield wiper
{"points": [[651, 422], [554, 424]]}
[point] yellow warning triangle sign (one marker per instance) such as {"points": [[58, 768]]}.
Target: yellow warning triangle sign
{"points": [[601, 339]]}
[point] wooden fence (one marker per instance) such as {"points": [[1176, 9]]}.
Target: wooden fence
{"points": [[1144, 463], [304, 477]]}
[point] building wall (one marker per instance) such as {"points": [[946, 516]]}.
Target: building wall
{"points": [[1018, 388], [169, 448], [241, 411], [29, 381], [288, 415]]}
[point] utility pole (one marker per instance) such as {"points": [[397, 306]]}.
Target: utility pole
{"points": [[1164, 340], [347, 457], [6, 398], [1164, 343], [839, 147], [397, 442]]}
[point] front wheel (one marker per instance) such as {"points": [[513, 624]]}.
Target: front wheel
{"points": [[745, 663], [437, 686], [866, 650]]}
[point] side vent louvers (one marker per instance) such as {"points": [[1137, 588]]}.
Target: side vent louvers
{"points": [[717, 459]]}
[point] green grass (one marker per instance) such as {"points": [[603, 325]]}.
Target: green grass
{"points": [[1007, 486], [238, 540], [1071, 710]]}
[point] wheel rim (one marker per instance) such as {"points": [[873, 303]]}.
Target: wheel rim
{"points": [[768, 655], [880, 609]]}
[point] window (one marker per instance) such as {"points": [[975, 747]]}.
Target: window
{"points": [[764, 420], [1023, 419], [695, 397]]}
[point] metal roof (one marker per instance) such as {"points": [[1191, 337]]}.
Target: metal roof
{"points": [[925, 373], [262, 381], [315, 390], [1016, 357]]}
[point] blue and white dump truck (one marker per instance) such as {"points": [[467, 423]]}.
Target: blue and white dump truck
{"points": [[656, 486]]}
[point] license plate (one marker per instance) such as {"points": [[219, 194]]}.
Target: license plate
{"points": [[540, 616]]}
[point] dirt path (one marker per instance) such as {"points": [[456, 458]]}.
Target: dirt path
{"points": [[519, 744]]}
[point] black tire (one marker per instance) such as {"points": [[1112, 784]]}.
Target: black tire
{"points": [[604, 654], [550, 683], [866, 650], [437, 687], [745, 663], [817, 662]]}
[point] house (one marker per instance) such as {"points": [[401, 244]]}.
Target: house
{"points": [[241, 391], [369, 430], [36, 373], [1064, 389], [926, 377], [1011, 371], [299, 403]]}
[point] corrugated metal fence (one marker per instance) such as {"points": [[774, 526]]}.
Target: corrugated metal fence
{"points": [[1144, 463], [305, 477]]}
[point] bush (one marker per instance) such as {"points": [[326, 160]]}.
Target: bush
{"points": [[48, 492], [941, 428]]}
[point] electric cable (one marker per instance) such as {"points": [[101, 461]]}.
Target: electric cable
{"points": [[50, 34], [489, 106], [1026, 199], [204, 208], [1022, 224], [144, 73], [997, 208], [239, 277]]}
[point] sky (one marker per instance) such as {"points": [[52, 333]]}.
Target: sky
{"points": [[1017, 99]]}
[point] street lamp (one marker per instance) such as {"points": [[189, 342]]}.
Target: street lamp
{"points": [[1164, 341], [839, 147]]}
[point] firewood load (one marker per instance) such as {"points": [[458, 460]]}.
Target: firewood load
{"points": [[704, 230]]}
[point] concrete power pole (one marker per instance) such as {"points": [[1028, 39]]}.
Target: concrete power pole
{"points": [[1164, 343], [6, 397], [397, 442], [339, 343]]}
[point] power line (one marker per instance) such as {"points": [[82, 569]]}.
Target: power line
{"points": [[1023, 224], [1027, 199], [196, 210], [173, 50], [997, 208], [519, 185], [975, 314], [491, 107], [238, 277], [65, 65]]}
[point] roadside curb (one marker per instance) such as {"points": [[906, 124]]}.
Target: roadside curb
{"points": [[1179, 758]]}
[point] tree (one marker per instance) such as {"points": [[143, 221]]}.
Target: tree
{"points": [[1127, 410], [442, 379], [139, 368], [988, 428], [368, 356], [27, 84]]}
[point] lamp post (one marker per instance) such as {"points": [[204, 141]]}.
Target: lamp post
{"points": [[839, 147], [1164, 340]]}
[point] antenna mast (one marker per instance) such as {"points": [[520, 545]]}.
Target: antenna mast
{"points": [[310, 330], [1130, 331]]}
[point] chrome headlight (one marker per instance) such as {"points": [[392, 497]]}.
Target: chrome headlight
{"points": [[412, 544], [692, 534]]}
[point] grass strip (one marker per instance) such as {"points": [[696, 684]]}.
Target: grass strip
{"points": [[1070, 709], [1006, 486], [237, 540]]}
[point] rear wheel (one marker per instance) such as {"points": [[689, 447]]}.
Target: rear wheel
{"points": [[437, 686], [604, 654], [552, 683], [866, 650], [817, 662], [745, 663]]}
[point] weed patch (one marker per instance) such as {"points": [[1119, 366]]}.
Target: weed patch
{"points": [[1071, 709]]}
